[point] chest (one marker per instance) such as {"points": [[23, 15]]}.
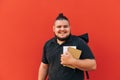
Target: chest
{"points": [[54, 51]]}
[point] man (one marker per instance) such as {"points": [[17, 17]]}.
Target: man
{"points": [[54, 60]]}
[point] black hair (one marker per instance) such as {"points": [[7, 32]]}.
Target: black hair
{"points": [[61, 17]]}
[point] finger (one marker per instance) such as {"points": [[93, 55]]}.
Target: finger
{"points": [[67, 53]]}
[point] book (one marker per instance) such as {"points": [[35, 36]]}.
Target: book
{"points": [[76, 53], [65, 48]]}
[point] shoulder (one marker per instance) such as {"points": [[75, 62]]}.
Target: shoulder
{"points": [[78, 41], [49, 42], [77, 38]]}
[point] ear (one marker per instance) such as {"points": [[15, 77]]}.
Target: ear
{"points": [[53, 28]]}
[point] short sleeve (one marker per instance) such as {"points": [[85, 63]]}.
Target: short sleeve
{"points": [[44, 58], [86, 51]]}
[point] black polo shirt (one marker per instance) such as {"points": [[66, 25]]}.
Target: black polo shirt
{"points": [[51, 55]]}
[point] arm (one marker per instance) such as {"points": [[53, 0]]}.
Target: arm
{"points": [[43, 71], [85, 64]]}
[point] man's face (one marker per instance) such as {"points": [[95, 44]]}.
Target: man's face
{"points": [[61, 29]]}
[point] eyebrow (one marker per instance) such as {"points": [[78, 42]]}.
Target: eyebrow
{"points": [[61, 25]]}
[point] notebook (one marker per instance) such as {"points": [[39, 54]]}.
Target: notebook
{"points": [[76, 53]]}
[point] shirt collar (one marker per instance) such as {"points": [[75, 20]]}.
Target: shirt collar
{"points": [[54, 40]]}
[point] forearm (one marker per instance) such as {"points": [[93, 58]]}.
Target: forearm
{"points": [[86, 64], [43, 71], [42, 75], [82, 64]]}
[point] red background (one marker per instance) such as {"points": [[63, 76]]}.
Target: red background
{"points": [[25, 25]]}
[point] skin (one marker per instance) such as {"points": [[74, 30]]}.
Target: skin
{"points": [[62, 30]]}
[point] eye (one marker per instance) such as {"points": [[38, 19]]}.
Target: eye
{"points": [[58, 26], [65, 26]]}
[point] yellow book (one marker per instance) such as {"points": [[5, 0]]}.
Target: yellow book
{"points": [[76, 53]]}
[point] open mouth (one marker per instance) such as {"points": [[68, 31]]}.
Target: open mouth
{"points": [[62, 32]]}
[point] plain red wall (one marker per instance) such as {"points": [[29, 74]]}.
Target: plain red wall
{"points": [[25, 25]]}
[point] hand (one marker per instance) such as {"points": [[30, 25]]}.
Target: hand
{"points": [[67, 59]]}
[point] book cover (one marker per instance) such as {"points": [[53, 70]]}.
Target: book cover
{"points": [[76, 53]]}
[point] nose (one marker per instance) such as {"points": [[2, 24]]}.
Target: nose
{"points": [[62, 28]]}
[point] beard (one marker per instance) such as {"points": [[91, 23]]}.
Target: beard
{"points": [[63, 39]]}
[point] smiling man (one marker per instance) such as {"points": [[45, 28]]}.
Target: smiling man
{"points": [[54, 59], [61, 29]]}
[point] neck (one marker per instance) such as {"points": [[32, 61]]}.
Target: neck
{"points": [[60, 42]]}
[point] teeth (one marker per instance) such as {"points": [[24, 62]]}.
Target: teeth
{"points": [[62, 32]]}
